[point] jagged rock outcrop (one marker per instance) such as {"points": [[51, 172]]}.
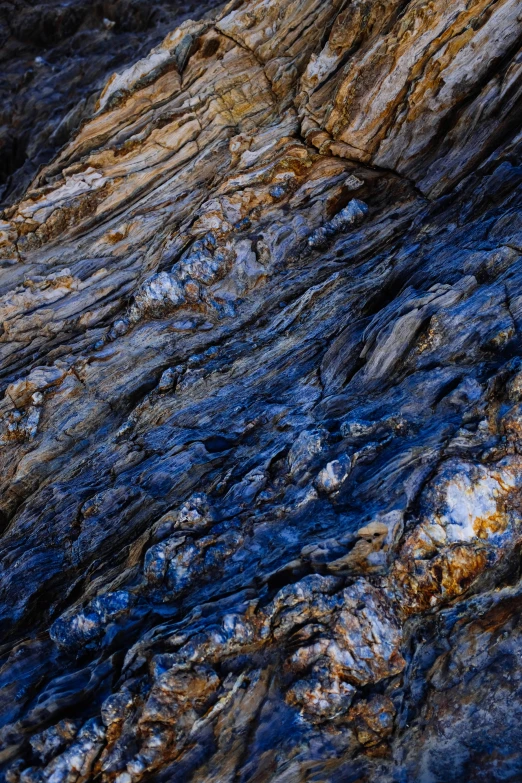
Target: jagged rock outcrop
{"points": [[55, 58], [260, 415]]}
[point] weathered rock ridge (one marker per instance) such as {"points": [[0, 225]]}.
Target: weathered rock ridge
{"points": [[261, 396]]}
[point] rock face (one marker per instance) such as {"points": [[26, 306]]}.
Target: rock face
{"points": [[54, 59], [261, 393]]}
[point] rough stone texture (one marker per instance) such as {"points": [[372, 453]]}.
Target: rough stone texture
{"points": [[261, 392], [55, 58]]}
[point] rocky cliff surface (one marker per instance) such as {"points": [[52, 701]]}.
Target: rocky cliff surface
{"points": [[261, 393]]}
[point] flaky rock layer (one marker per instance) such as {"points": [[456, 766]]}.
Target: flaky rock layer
{"points": [[261, 412]]}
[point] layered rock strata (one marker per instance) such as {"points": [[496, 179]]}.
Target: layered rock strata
{"points": [[261, 413]]}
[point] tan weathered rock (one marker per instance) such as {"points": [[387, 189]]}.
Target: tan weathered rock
{"points": [[470, 522]]}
